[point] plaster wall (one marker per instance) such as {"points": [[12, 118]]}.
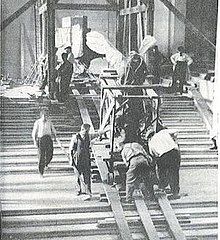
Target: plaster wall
{"points": [[11, 39], [15, 57], [168, 30]]}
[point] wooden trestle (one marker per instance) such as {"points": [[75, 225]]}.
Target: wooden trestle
{"points": [[102, 155]]}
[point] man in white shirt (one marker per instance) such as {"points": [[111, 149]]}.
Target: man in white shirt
{"points": [[180, 61], [42, 137], [166, 151]]}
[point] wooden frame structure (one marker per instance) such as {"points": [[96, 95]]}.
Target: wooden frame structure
{"points": [[113, 100], [135, 20]]}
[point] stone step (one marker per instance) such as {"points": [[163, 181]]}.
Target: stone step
{"points": [[179, 104], [18, 122], [177, 108], [29, 140], [194, 137], [182, 119], [197, 151], [92, 229], [185, 125], [27, 133], [192, 145], [14, 129], [30, 152], [199, 158], [28, 147], [211, 164], [176, 113], [190, 131]]}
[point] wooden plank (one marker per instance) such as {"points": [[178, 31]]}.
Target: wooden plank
{"points": [[95, 100], [51, 45], [121, 87], [107, 115], [145, 216], [129, 29], [120, 28], [89, 7], [133, 29], [132, 10], [83, 110], [170, 217], [139, 23], [112, 196]]}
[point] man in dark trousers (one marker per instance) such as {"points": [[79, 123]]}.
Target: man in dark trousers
{"points": [[166, 151], [180, 61], [42, 137], [139, 165], [136, 73], [157, 61], [65, 72]]}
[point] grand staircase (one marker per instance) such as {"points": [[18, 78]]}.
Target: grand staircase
{"points": [[48, 208], [181, 114]]}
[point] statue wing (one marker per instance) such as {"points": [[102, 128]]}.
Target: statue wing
{"points": [[98, 43], [148, 42]]}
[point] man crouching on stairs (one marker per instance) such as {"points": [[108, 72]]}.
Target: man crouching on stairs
{"points": [[165, 150], [42, 137], [139, 166]]}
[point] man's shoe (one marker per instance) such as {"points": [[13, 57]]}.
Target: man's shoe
{"points": [[173, 196], [79, 193], [213, 148], [87, 198]]}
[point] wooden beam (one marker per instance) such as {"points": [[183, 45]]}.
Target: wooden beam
{"points": [[129, 28], [187, 23], [134, 28], [132, 10], [170, 217], [111, 193], [145, 216], [51, 45], [89, 7], [83, 109], [150, 17], [120, 28], [17, 13]]}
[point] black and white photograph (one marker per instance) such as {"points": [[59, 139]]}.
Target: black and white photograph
{"points": [[109, 119]]}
